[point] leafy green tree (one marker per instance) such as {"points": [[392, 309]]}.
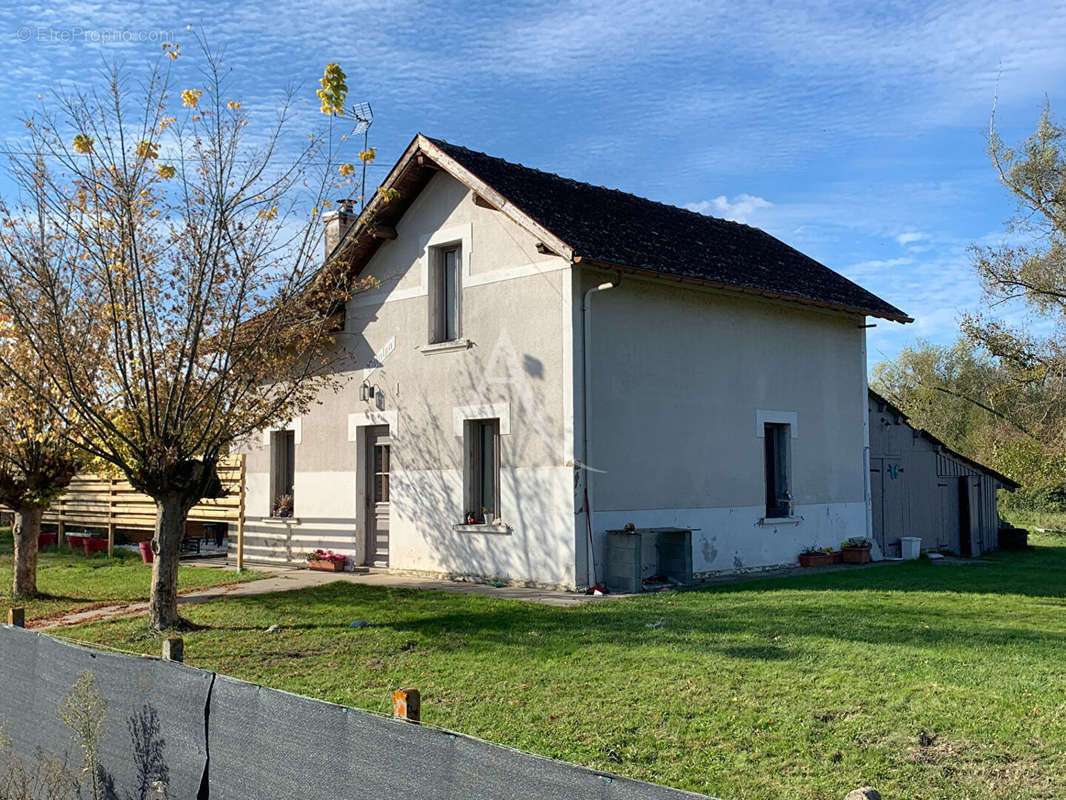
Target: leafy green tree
{"points": [[1023, 326]]}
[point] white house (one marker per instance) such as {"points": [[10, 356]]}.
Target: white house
{"points": [[561, 359]]}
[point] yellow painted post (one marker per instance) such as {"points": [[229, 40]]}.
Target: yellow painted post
{"points": [[240, 521], [407, 704], [16, 616]]}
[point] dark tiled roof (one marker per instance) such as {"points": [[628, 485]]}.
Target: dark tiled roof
{"points": [[622, 230]]}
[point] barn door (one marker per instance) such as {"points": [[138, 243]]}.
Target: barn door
{"points": [[973, 488], [969, 516], [877, 501]]}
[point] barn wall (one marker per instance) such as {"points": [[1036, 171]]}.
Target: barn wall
{"points": [[921, 496]]}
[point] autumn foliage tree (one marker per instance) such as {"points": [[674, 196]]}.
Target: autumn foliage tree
{"points": [[192, 306], [38, 458]]}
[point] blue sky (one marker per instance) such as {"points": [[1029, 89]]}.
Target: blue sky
{"points": [[855, 132]]}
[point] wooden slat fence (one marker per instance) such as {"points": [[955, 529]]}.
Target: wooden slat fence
{"points": [[93, 501]]}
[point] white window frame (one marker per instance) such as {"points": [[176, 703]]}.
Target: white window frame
{"points": [[473, 467]]}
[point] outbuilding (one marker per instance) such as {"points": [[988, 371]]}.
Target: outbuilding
{"points": [[922, 488]]}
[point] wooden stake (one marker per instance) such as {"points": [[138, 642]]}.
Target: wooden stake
{"points": [[407, 704], [174, 649], [240, 521], [16, 616], [61, 534]]}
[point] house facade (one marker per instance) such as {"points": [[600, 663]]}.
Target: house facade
{"points": [[543, 360]]}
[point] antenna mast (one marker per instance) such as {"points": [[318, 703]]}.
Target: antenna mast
{"points": [[363, 115]]}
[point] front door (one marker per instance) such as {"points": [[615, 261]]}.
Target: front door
{"points": [[378, 460]]}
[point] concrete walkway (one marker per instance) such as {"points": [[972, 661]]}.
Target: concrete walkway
{"points": [[289, 580]]}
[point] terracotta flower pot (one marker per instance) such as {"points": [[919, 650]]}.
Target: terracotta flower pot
{"points": [[814, 559], [855, 555], [326, 566]]}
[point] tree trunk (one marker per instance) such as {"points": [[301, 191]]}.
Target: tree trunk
{"points": [[26, 529], [170, 513]]}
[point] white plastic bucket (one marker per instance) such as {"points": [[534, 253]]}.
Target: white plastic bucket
{"points": [[910, 547]]}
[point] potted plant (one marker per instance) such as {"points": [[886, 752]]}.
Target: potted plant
{"points": [[813, 557], [283, 506], [326, 561], [855, 551], [471, 518]]}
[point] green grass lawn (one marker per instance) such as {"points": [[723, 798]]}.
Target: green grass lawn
{"points": [[68, 581], [926, 681]]}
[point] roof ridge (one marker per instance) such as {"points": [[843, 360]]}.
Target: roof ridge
{"points": [[613, 227], [556, 175]]}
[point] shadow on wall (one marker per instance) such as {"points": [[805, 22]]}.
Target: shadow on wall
{"points": [[428, 492]]}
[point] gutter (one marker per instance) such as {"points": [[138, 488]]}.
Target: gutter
{"points": [[744, 290]]}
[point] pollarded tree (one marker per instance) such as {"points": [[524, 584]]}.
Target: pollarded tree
{"points": [[190, 309], [38, 454], [38, 460]]}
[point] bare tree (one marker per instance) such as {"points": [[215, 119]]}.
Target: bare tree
{"points": [[190, 307]]}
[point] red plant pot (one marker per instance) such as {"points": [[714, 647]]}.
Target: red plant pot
{"points": [[326, 566], [855, 555], [836, 557], [814, 559], [46, 539], [146, 551]]}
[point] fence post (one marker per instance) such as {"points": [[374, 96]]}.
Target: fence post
{"points": [[16, 616], [240, 520], [174, 649], [407, 704], [111, 519], [61, 532]]}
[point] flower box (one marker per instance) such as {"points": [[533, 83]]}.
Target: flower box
{"points": [[325, 565], [46, 539], [836, 557], [90, 544], [855, 555], [814, 559]]}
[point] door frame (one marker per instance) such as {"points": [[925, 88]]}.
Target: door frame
{"points": [[373, 435]]}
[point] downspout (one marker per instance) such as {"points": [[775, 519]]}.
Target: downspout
{"points": [[586, 315], [867, 488]]}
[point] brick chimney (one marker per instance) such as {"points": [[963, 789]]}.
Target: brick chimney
{"points": [[337, 223]]}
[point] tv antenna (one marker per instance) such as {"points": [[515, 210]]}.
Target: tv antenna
{"points": [[363, 115]]}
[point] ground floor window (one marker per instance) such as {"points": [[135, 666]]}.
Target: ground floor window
{"points": [[482, 470], [282, 472], [776, 437]]}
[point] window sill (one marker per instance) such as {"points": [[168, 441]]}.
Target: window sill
{"points": [[446, 347], [773, 522], [280, 520], [482, 528]]}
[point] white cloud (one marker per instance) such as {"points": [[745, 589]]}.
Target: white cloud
{"points": [[739, 209], [911, 237]]}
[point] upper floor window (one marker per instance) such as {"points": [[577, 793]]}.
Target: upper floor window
{"points": [[444, 294]]}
